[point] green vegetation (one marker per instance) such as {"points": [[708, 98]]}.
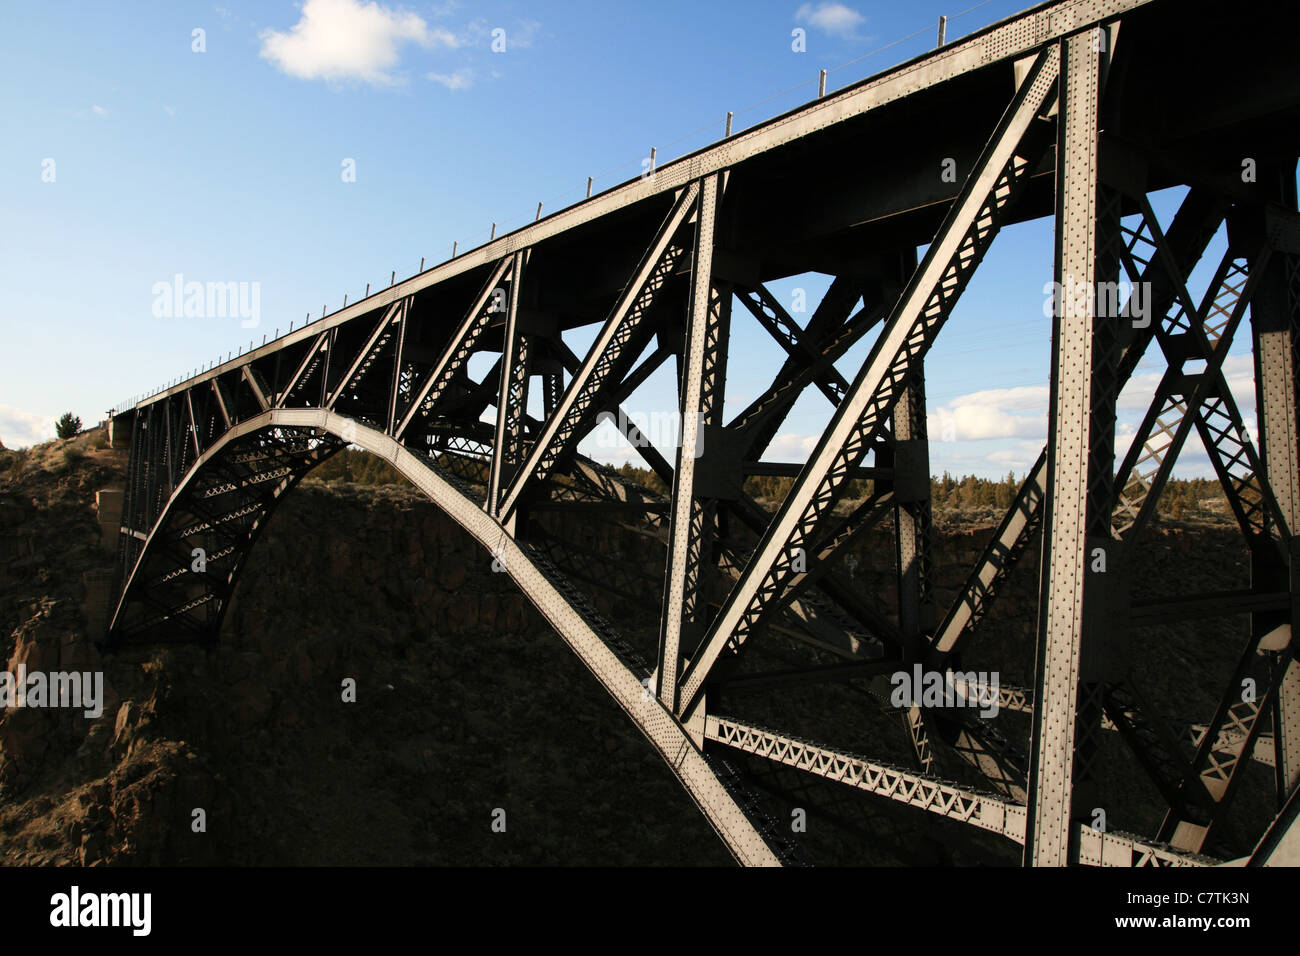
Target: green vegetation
{"points": [[1179, 499], [970, 493], [67, 425], [1185, 499], [13, 460], [359, 467]]}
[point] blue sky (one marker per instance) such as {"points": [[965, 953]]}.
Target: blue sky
{"points": [[132, 156]]}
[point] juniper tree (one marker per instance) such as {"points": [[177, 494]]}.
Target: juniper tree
{"points": [[68, 425]]}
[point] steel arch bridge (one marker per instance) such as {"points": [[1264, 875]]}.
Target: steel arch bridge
{"points": [[1076, 109]]}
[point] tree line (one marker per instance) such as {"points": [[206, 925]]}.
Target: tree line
{"points": [[1180, 497]]}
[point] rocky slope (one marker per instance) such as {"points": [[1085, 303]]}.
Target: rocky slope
{"points": [[466, 702]]}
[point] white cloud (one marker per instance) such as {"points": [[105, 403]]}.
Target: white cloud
{"points": [[992, 413], [791, 447], [1019, 457], [19, 428], [1239, 370], [832, 18], [460, 80], [169, 110], [1136, 395], [349, 40], [99, 110]]}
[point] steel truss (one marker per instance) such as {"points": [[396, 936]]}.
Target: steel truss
{"points": [[759, 601]]}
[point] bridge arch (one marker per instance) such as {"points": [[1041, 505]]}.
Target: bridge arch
{"points": [[320, 433]]}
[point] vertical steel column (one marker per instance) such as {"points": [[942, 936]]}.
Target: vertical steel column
{"points": [[170, 451], [127, 544], [703, 377], [157, 464], [911, 461], [513, 394], [331, 342], [552, 390], [1066, 562], [1275, 323], [912, 512], [390, 422]]}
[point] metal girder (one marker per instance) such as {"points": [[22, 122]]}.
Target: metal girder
{"points": [[256, 387], [1278, 845], [831, 336], [395, 386], [911, 493], [221, 402], [1229, 737], [607, 353], [817, 624], [1070, 469], [1240, 474], [487, 304], [306, 368], [821, 557], [369, 352], [512, 402], [936, 796], [1169, 258], [592, 647], [856, 425], [1020, 700], [1275, 324], [773, 317], [1186, 399], [704, 366], [618, 418], [1206, 604], [194, 428], [1000, 556], [1193, 226], [149, 578]]}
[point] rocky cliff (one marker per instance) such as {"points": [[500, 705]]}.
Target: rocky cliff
{"points": [[466, 702]]}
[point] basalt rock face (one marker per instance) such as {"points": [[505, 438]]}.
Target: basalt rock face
{"points": [[379, 694], [465, 703]]}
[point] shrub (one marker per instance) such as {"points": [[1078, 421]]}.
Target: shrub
{"points": [[67, 425]]}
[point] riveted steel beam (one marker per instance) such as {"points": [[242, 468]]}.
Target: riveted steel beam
{"points": [[1070, 467], [861, 417], [704, 367], [607, 353], [512, 400], [489, 303]]}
